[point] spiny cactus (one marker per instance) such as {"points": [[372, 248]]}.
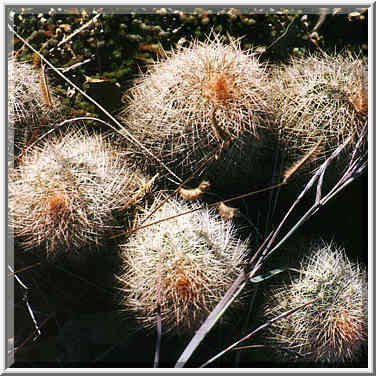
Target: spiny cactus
{"points": [[31, 106], [64, 193], [319, 101], [183, 265], [195, 101], [333, 328]]}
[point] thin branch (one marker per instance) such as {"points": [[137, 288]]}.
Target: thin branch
{"points": [[17, 278], [125, 233], [159, 338], [159, 319], [108, 291], [26, 300], [263, 326], [76, 32], [282, 35], [75, 66], [24, 269], [43, 323]]}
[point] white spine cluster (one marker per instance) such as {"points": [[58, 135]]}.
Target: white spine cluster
{"points": [[184, 265], [320, 97], [197, 99], [334, 327], [64, 193]]}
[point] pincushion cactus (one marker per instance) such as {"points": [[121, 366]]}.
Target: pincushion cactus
{"points": [[319, 101], [64, 193], [185, 265], [333, 328], [30, 103], [198, 99]]}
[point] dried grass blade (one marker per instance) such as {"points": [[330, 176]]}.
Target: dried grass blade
{"points": [[295, 167], [214, 316], [44, 87], [263, 326]]}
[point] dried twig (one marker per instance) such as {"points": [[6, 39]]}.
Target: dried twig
{"points": [[296, 166], [263, 326], [24, 269], [281, 36], [75, 66], [44, 87], [25, 299], [43, 323], [126, 233], [65, 40]]}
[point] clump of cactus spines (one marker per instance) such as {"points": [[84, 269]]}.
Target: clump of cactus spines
{"points": [[64, 194], [31, 105], [198, 99], [331, 330], [319, 102], [183, 265]]}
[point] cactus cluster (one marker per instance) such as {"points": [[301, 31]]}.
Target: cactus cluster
{"points": [[200, 102]]}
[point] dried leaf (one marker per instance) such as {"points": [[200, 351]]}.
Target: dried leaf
{"points": [[89, 80], [193, 194], [226, 211]]}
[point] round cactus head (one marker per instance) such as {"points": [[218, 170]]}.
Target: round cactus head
{"points": [[183, 265], [320, 101], [331, 330], [196, 100], [64, 193]]}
